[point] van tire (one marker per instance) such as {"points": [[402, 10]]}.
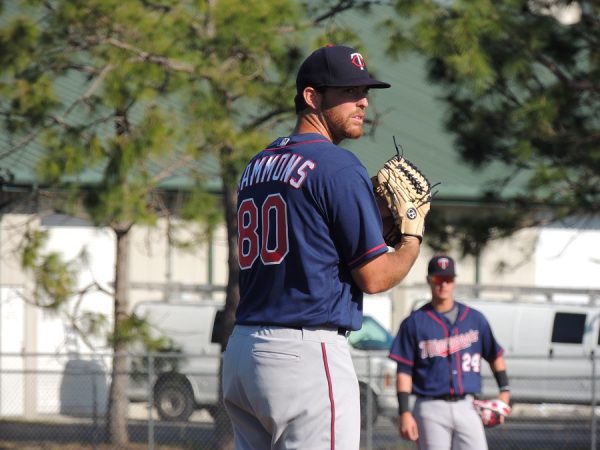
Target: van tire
{"points": [[174, 401], [364, 414]]}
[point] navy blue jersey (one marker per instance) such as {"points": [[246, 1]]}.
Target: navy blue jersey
{"points": [[444, 358], [306, 217]]}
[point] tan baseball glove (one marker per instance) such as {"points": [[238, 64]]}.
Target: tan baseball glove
{"points": [[404, 198]]}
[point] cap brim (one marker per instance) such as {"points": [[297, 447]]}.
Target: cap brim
{"points": [[367, 82]]}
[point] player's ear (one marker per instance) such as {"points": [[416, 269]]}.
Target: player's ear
{"points": [[312, 97]]}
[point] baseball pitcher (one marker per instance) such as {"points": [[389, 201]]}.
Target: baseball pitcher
{"points": [[310, 243]]}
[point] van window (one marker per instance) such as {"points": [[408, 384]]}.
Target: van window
{"points": [[568, 328], [372, 336]]}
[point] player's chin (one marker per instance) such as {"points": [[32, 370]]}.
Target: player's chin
{"points": [[354, 131]]}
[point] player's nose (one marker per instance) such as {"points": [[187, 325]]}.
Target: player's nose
{"points": [[363, 102]]}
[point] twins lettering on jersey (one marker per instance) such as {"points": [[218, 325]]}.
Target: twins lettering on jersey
{"points": [[447, 346], [288, 168]]}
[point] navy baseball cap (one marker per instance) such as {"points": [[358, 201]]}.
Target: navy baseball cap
{"points": [[441, 265], [335, 66]]}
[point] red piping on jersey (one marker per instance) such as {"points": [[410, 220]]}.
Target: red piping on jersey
{"points": [[464, 314], [461, 390], [401, 359], [331, 400], [374, 249], [459, 368], [294, 145]]}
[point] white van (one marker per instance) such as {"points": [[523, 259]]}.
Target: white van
{"points": [[183, 385], [549, 348]]}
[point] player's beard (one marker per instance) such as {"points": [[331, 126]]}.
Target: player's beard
{"points": [[343, 126]]}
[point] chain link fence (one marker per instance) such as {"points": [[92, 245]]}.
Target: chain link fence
{"points": [[60, 401]]}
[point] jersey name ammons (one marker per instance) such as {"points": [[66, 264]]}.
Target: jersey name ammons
{"points": [[443, 347], [287, 168]]}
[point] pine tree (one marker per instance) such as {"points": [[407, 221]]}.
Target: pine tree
{"points": [[126, 97]]}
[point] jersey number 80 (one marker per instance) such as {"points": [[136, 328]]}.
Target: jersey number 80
{"points": [[262, 231]]}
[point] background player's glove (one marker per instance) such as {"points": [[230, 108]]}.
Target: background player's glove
{"points": [[402, 189], [490, 411]]}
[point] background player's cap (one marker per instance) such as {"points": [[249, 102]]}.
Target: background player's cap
{"points": [[335, 66], [441, 265]]}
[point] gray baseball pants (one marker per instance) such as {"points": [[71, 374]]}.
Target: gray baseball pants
{"points": [[449, 425], [287, 388]]}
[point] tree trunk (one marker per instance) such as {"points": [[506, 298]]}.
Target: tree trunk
{"points": [[118, 402], [223, 431]]}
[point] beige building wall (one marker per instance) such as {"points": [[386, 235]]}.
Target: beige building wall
{"points": [[13, 279], [155, 264], [504, 262]]}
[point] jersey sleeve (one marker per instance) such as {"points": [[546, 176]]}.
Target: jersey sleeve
{"points": [[403, 347], [354, 216]]}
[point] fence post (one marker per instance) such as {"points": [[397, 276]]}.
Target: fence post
{"points": [[150, 401], [369, 405], [95, 408], [594, 417]]}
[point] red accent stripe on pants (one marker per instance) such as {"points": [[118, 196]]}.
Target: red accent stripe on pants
{"points": [[331, 400]]}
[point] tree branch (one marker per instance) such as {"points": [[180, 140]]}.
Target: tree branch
{"points": [[181, 162], [26, 141], [93, 88], [345, 5], [169, 63]]}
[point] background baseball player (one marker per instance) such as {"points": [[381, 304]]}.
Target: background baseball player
{"points": [[310, 243], [439, 349]]}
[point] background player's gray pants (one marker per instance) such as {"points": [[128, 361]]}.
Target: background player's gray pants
{"points": [[291, 389], [447, 425]]}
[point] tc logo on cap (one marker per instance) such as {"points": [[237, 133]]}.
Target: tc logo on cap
{"points": [[358, 60], [443, 263]]}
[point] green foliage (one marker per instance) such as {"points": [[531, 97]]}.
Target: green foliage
{"points": [[136, 329], [17, 40], [521, 88], [56, 280], [199, 200], [93, 324], [148, 84], [146, 340], [30, 247]]}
